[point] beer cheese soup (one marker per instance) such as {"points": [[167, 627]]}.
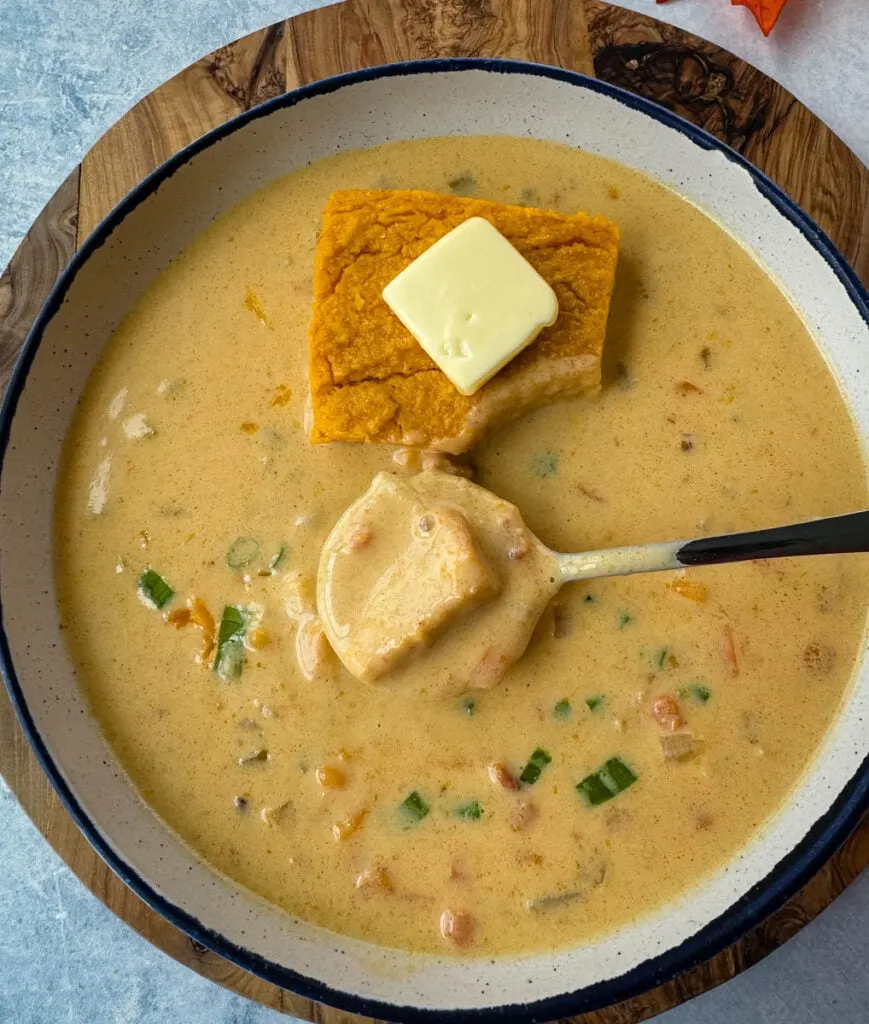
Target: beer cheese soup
{"points": [[654, 723]]}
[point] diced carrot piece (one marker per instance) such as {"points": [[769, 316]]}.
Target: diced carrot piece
{"points": [[694, 590], [342, 830], [330, 777], [282, 395], [178, 617]]}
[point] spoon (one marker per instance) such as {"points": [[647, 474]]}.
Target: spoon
{"points": [[832, 536], [434, 585]]}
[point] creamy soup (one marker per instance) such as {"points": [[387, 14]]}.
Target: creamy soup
{"points": [[654, 723]]}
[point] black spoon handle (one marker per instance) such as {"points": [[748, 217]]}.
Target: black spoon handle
{"points": [[837, 535]]}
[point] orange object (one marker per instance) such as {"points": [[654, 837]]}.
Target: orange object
{"points": [[371, 380], [692, 589], [765, 11]]}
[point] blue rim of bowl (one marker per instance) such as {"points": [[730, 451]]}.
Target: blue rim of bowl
{"points": [[788, 876]]}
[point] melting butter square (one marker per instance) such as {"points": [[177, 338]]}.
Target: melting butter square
{"points": [[473, 302], [371, 381]]}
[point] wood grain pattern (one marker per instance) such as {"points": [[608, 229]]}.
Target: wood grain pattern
{"points": [[700, 81]]}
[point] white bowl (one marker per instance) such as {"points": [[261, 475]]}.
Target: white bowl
{"points": [[105, 278]]}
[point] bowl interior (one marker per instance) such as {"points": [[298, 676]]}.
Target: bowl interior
{"points": [[150, 228]]}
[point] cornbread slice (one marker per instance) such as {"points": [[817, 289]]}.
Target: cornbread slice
{"points": [[371, 381]]}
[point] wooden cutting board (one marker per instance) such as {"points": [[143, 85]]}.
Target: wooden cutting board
{"points": [[701, 82]]}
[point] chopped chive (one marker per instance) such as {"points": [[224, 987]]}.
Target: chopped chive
{"points": [[625, 618], [242, 552], [614, 778], [471, 811], [660, 659], [589, 599], [469, 706], [278, 557], [593, 703], [536, 763], [546, 463], [414, 807], [593, 790], [562, 708], [229, 659], [154, 591], [615, 771]]}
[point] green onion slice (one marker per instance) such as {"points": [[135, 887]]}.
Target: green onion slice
{"points": [[414, 807], [471, 811], [593, 703], [242, 552], [614, 778], [154, 591], [562, 708], [229, 659], [278, 557], [536, 763]]}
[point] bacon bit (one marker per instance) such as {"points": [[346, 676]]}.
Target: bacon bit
{"points": [[706, 356], [819, 658], [372, 879], [522, 814], [766, 12], [253, 303], [685, 387], [144, 539], [457, 927], [687, 443], [692, 589], [730, 651], [178, 617], [282, 395], [666, 712], [330, 777], [503, 777], [258, 639], [249, 428], [345, 828]]}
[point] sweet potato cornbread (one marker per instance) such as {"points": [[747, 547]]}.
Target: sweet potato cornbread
{"points": [[372, 381]]}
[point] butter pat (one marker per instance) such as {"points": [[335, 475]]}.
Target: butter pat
{"points": [[473, 302]]}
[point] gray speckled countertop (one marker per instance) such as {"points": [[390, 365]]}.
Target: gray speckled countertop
{"points": [[67, 71]]}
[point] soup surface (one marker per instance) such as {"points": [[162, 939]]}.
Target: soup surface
{"points": [[372, 812]]}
